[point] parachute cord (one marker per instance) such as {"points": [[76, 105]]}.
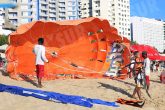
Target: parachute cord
{"points": [[72, 69], [70, 63]]}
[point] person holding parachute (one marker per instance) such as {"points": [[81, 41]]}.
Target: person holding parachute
{"points": [[39, 51]]}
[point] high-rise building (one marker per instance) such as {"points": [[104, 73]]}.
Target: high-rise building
{"points": [[117, 12], [67, 9], [49, 10], [148, 31], [164, 36]]}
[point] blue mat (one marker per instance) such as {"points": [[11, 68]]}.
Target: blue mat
{"points": [[56, 97]]}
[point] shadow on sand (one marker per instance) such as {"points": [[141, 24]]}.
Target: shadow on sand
{"points": [[116, 89], [155, 81], [24, 77], [4, 73], [27, 79], [127, 83]]}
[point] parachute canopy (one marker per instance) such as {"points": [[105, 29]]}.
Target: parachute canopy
{"points": [[87, 48]]}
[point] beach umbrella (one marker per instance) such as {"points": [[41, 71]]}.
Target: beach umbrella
{"points": [[153, 53]]}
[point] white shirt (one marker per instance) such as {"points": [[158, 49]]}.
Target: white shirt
{"points": [[132, 65], [147, 66], [39, 51]]}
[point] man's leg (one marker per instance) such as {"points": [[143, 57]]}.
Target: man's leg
{"points": [[134, 92], [148, 85], [139, 93], [39, 82], [40, 73]]}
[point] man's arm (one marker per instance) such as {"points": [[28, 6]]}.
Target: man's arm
{"points": [[43, 55], [131, 64], [34, 50]]}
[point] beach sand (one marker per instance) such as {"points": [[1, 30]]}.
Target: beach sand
{"points": [[105, 89]]}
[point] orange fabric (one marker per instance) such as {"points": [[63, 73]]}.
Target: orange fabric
{"points": [[138, 65], [124, 101], [85, 43]]}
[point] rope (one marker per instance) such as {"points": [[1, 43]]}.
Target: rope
{"points": [[70, 63], [72, 69]]}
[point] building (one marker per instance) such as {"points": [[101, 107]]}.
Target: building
{"points": [[3, 31], [86, 8], [148, 31], [117, 12], [49, 10], [164, 38], [67, 9]]}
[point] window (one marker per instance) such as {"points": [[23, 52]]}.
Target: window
{"points": [[14, 21], [24, 13], [73, 7], [14, 1], [63, 13], [98, 12], [13, 14], [73, 3]]}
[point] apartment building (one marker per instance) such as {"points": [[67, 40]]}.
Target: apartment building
{"points": [[117, 12], [164, 36], [49, 10], [3, 31], [148, 31]]}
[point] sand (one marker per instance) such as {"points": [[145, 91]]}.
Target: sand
{"points": [[104, 89]]}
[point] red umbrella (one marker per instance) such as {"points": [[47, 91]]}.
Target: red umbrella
{"points": [[153, 54]]}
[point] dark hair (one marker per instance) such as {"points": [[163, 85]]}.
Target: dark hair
{"points": [[41, 41], [144, 53], [135, 53]]}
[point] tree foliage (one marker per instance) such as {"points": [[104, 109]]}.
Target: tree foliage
{"points": [[133, 42], [3, 39]]}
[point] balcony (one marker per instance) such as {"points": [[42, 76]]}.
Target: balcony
{"points": [[52, 1], [8, 25], [43, 14], [52, 15], [52, 10], [62, 15], [61, 5], [44, 8], [24, 3], [60, 1], [12, 10], [61, 10], [44, 2], [52, 5], [12, 17]]}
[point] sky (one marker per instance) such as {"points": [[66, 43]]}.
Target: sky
{"points": [[148, 8]]}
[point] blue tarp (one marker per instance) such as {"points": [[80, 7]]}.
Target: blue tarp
{"points": [[53, 96]]}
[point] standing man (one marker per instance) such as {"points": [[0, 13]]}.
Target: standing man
{"points": [[138, 75], [146, 69], [39, 51]]}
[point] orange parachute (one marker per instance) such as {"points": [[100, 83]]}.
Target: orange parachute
{"points": [[87, 48]]}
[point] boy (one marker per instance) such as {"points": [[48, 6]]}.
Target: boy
{"points": [[39, 51], [146, 69]]}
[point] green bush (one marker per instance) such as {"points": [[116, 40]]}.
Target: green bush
{"points": [[3, 40], [133, 42]]}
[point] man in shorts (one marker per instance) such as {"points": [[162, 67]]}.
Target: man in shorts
{"points": [[147, 71], [39, 51]]}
